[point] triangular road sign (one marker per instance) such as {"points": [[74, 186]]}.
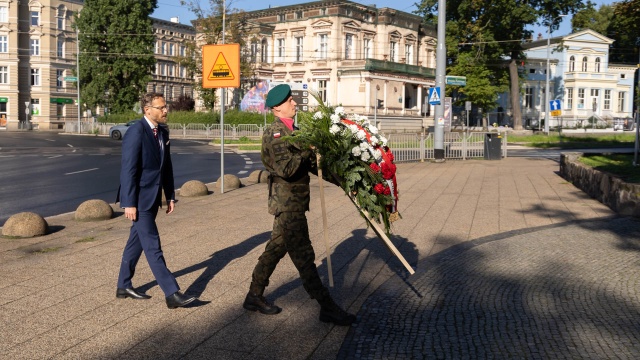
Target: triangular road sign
{"points": [[221, 69]]}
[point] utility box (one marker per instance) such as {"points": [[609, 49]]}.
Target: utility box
{"points": [[493, 146]]}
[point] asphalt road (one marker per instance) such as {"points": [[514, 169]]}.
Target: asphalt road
{"points": [[50, 174]]}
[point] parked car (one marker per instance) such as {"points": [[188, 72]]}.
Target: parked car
{"points": [[117, 132], [624, 124]]}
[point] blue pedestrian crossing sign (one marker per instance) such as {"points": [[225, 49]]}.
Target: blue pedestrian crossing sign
{"points": [[434, 96], [556, 107]]}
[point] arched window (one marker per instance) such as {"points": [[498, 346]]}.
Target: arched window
{"points": [[597, 64], [264, 51], [584, 63], [572, 64]]}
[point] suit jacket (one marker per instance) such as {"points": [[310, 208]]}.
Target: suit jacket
{"points": [[145, 169]]}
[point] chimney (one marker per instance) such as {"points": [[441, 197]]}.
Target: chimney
{"points": [[175, 19]]}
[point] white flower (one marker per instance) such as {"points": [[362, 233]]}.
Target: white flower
{"points": [[361, 135], [373, 129], [335, 118], [377, 154], [364, 146], [317, 115], [356, 151], [339, 111], [365, 156], [354, 128], [383, 140], [334, 129]]}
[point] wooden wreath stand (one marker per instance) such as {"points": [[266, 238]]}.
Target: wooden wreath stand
{"points": [[378, 230]]}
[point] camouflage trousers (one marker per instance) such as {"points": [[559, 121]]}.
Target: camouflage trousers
{"points": [[290, 235]]}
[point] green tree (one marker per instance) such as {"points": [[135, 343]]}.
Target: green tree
{"points": [[625, 30], [116, 52], [590, 18], [502, 24], [209, 26]]}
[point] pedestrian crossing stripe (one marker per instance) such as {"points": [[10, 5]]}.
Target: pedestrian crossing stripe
{"points": [[221, 69]]}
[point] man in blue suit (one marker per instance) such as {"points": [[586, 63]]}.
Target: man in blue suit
{"points": [[147, 171]]}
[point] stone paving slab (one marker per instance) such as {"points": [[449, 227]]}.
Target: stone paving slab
{"points": [[503, 250]]}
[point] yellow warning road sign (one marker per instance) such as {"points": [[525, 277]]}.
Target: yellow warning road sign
{"points": [[221, 66]]}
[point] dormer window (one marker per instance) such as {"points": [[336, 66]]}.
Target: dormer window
{"points": [[299, 14], [281, 17]]}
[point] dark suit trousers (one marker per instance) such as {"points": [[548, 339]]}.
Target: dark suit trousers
{"points": [[144, 237]]}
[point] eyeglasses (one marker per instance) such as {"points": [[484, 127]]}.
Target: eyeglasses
{"points": [[161, 108]]}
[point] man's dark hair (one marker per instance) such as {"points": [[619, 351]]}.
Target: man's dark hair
{"points": [[148, 98]]}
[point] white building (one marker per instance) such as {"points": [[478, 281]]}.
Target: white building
{"points": [[580, 76]]}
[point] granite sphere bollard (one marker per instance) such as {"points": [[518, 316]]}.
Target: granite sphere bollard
{"points": [[259, 177], [25, 224], [94, 210], [194, 188], [230, 182]]}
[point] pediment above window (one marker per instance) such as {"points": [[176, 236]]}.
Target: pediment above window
{"points": [[322, 23]]}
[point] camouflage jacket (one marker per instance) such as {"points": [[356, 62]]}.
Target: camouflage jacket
{"points": [[288, 168]]}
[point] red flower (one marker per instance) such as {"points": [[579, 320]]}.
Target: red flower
{"points": [[390, 155], [387, 190], [388, 170], [374, 167], [379, 188]]}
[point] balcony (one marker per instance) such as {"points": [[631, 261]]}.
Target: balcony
{"points": [[388, 66]]}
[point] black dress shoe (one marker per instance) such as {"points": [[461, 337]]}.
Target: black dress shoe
{"points": [[178, 299], [131, 293]]}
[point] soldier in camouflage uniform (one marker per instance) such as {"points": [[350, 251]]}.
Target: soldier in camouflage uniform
{"points": [[289, 168]]}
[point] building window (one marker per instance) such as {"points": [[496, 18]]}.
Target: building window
{"points": [[584, 63], [253, 51], [348, 47], [4, 74], [323, 11], [34, 47], [60, 48], [299, 49], [572, 64], [322, 90], [4, 11], [183, 50], [621, 96], [280, 47], [528, 98], [299, 14], [264, 51], [60, 78], [597, 65], [4, 43], [408, 54], [60, 110], [569, 104], [581, 98], [157, 47], [163, 71], [163, 48], [607, 100], [171, 49], [366, 48], [366, 17], [35, 18], [170, 69], [623, 76], [35, 77], [35, 106], [393, 53], [595, 92], [281, 17], [323, 46], [60, 18]]}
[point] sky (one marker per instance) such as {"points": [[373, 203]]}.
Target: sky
{"points": [[171, 8]]}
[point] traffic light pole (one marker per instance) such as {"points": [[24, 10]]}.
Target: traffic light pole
{"points": [[441, 70]]}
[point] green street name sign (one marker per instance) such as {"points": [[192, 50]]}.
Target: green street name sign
{"points": [[71, 78], [61, 101], [456, 80]]}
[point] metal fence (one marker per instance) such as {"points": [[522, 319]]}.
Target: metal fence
{"points": [[405, 146], [457, 145]]}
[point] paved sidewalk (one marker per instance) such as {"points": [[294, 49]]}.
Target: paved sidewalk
{"points": [[512, 262]]}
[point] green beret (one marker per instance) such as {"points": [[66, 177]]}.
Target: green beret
{"points": [[278, 95]]}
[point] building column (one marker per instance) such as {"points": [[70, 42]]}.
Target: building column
{"points": [[367, 94], [419, 100], [386, 82], [404, 94]]}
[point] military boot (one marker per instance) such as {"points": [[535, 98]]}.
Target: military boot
{"points": [[331, 312], [256, 302]]}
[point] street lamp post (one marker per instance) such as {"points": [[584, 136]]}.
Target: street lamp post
{"points": [[546, 92]]}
